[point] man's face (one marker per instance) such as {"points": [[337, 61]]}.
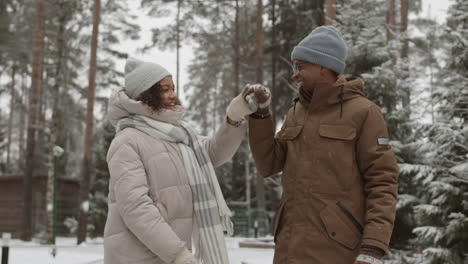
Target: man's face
{"points": [[307, 75], [167, 96]]}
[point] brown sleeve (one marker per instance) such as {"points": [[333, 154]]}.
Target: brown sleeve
{"points": [[268, 151], [379, 171]]}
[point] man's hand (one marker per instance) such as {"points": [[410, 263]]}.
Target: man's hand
{"points": [[259, 95], [369, 256]]}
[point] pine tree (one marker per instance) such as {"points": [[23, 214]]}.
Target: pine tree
{"points": [[442, 214], [371, 56], [87, 157], [115, 24], [99, 183], [438, 206], [65, 9], [455, 99], [295, 20], [34, 108]]}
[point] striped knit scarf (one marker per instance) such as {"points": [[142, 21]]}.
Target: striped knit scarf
{"points": [[211, 213]]}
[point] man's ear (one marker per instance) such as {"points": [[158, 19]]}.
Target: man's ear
{"points": [[325, 72], [322, 71]]}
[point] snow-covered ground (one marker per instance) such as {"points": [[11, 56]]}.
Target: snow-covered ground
{"points": [[92, 253]]}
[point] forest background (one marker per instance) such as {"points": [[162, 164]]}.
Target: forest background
{"points": [[60, 60]]}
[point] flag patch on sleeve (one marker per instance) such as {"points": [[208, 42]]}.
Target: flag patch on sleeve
{"points": [[383, 141]]}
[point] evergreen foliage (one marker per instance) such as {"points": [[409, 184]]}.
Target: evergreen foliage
{"points": [[437, 211], [429, 136]]}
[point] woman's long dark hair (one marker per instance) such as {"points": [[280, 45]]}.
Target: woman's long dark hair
{"points": [[152, 97]]}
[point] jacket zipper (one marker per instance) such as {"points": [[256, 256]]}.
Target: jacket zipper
{"points": [[350, 217]]}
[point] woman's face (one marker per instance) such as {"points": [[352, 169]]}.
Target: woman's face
{"points": [[167, 96]]}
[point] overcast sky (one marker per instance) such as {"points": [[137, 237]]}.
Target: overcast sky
{"points": [[431, 8]]}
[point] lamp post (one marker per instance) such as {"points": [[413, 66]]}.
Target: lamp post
{"points": [[5, 247], [58, 152]]}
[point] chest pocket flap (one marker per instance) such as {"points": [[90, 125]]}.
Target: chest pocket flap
{"points": [[337, 132], [291, 132]]}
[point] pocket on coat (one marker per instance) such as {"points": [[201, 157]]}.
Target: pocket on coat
{"points": [[337, 132], [126, 248], [337, 227], [337, 143]]}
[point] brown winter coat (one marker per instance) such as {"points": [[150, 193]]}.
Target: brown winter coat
{"points": [[150, 201], [339, 176]]}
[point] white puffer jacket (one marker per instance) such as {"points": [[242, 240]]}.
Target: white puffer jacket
{"points": [[150, 200]]}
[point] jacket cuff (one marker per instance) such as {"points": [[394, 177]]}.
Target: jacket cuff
{"points": [[261, 115], [377, 236], [375, 243], [258, 123], [372, 250], [182, 257]]}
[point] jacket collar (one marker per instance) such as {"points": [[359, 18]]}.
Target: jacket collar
{"points": [[341, 91], [121, 106]]}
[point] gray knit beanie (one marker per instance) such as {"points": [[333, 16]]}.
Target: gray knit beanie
{"points": [[141, 75], [323, 46]]}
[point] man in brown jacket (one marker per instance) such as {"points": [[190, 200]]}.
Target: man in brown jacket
{"points": [[339, 171]]}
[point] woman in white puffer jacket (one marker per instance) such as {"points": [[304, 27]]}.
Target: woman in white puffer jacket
{"points": [[163, 191]]}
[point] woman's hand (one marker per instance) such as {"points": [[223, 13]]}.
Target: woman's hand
{"points": [[185, 257], [239, 107]]}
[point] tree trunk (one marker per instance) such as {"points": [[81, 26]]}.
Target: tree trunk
{"points": [[215, 105], [36, 82], [404, 27], [235, 90], [41, 133], [236, 51], [10, 119], [259, 47], [88, 142], [391, 26], [179, 2], [404, 46], [55, 123], [273, 60], [330, 13], [248, 188], [260, 188], [22, 120]]}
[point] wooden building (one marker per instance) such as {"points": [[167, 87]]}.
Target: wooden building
{"points": [[11, 203]]}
